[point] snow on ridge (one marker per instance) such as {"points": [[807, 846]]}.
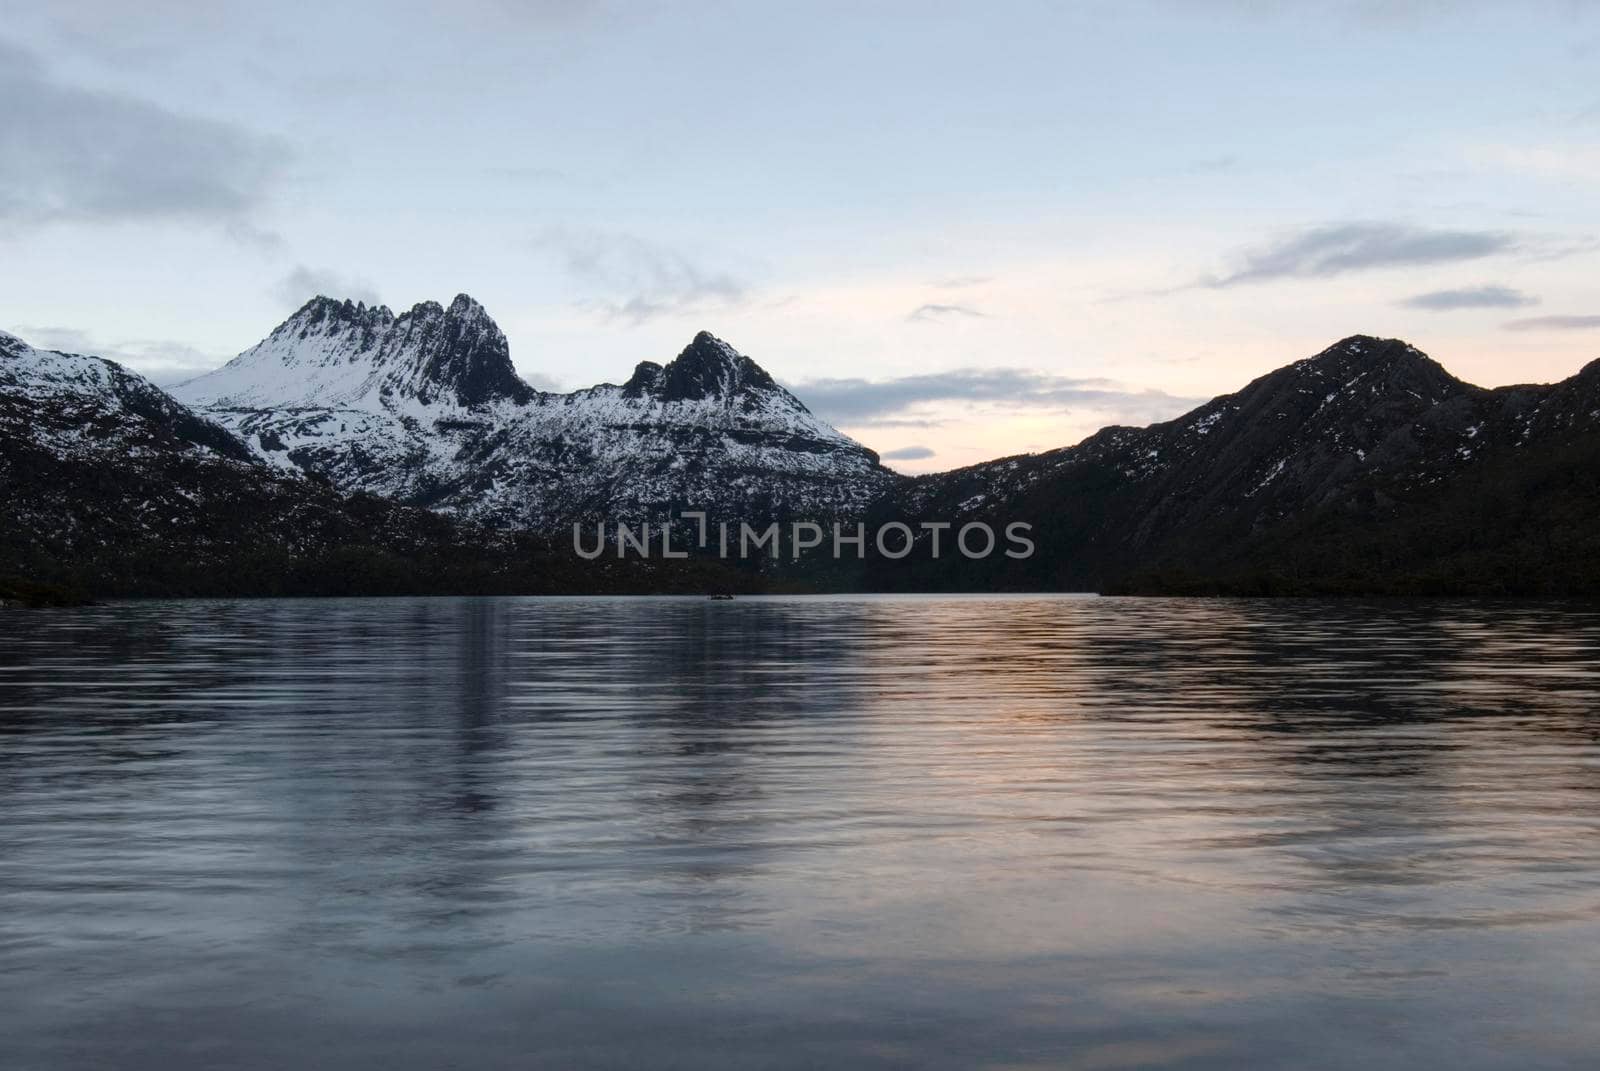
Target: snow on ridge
{"points": [[325, 354], [68, 398], [332, 356], [374, 402], [42, 374]]}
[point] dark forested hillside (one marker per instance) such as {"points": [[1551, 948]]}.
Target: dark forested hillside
{"points": [[1367, 468]]}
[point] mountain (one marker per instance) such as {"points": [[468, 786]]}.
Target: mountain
{"points": [[1367, 467], [68, 404], [426, 408], [109, 484], [332, 354]]}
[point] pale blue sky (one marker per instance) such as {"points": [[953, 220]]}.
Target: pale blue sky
{"points": [[1015, 222]]}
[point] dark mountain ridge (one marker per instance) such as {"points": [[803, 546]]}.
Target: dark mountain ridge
{"points": [[1370, 434]]}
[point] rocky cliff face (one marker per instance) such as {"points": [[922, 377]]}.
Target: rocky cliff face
{"points": [[332, 353], [425, 408]]}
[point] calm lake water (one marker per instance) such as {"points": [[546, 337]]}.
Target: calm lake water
{"points": [[795, 833]]}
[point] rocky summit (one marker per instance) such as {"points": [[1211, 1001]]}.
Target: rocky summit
{"points": [[426, 408]]}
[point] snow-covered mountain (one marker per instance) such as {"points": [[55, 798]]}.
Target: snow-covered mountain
{"points": [[426, 408], [334, 354], [75, 406], [107, 479]]}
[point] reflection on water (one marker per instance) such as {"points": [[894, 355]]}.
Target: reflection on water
{"points": [[867, 832]]}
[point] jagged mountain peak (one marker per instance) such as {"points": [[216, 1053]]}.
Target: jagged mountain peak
{"points": [[707, 369], [324, 315], [466, 305], [467, 355], [461, 307], [346, 353], [347, 308], [706, 352], [645, 380]]}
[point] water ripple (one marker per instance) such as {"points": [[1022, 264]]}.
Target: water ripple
{"points": [[867, 832]]}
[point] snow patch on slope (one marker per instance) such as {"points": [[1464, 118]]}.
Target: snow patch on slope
{"points": [[425, 408]]}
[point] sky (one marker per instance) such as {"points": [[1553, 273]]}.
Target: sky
{"points": [[957, 231]]}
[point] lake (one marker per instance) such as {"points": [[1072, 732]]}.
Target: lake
{"points": [[800, 833]]}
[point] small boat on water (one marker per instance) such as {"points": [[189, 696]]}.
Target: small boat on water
{"points": [[720, 596]]}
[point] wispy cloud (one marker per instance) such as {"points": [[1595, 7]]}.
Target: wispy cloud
{"points": [[879, 402], [303, 284], [908, 422], [640, 279], [908, 453], [1560, 162], [1324, 252], [1472, 297], [1555, 323], [163, 360], [75, 154], [925, 313]]}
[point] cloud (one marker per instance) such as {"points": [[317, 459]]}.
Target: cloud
{"points": [[1324, 252], [69, 154], [540, 381], [1560, 162], [877, 402], [962, 282], [907, 422], [925, 313], [162, 360], [908, 453], [1555, 323], [303, 283], [1472, 297], [641, 279]]}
